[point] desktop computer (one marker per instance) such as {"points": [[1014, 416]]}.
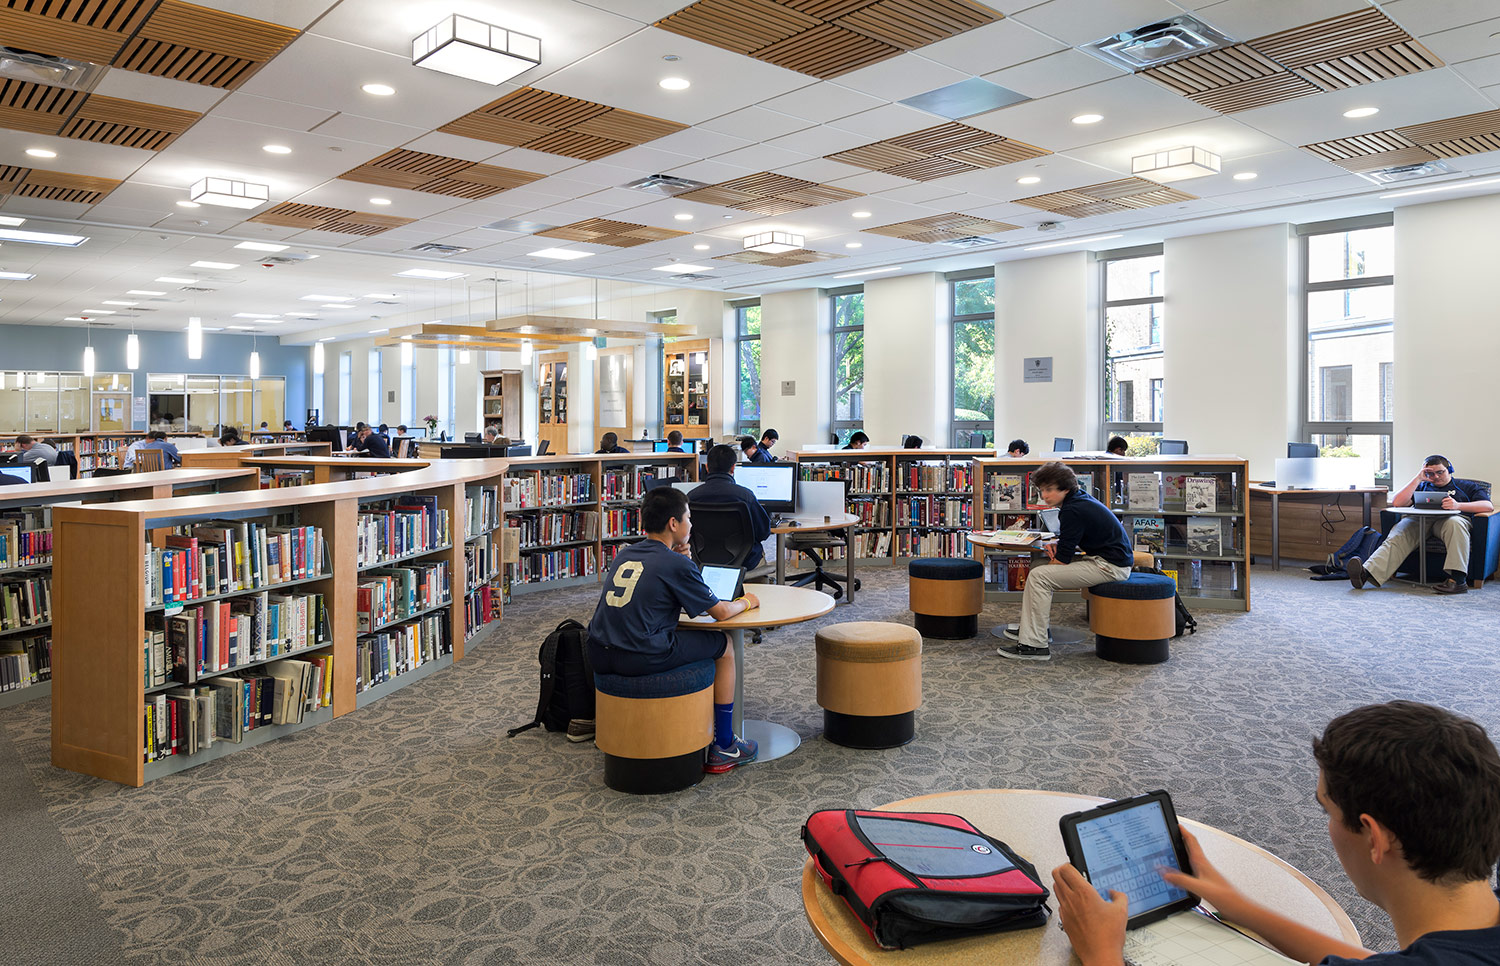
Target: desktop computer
{"points": [[774, 485]]}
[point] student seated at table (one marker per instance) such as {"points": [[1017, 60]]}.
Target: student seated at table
{"points": [[156, 439], [230, 437], [1412, 794], [857, 440], [718, 486], [1017, 448], [492, 434], [768, 439], [1083, 524], [610, 443], [634, 629], [753, 452], [911, 442], [1467, 496], [286, 426], [674, 442], [33, 449], [372, 444], [1117, 446]]}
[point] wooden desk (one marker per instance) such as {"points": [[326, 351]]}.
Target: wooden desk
{"points": [[334, 469], [843, 521], [1027, 821], [130, 486], [1304, 518], [778, 606], [232, 455]]}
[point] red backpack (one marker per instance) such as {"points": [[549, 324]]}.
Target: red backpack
{"points": [[916, 877]]}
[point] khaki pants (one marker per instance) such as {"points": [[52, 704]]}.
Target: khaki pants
{"points": [[1036, 600], [1402, 540]]}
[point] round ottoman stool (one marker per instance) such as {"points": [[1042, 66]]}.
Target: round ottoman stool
{"points": [[946, 595], [869, 683], [1133, 619], [654, 728]]}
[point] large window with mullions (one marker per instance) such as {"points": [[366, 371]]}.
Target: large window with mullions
{"points": [[848, 334], [1134, 307], [972, 309]]}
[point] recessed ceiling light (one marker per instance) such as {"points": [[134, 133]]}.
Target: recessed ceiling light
{"points": [[380, 295], [1246, 176], [334, 305], [276, 149], [117, 302], [328, 338], [562, 254], [101, 312], [680, 267], [260, 246], [861, 214], [41, 153], [1362, 112], [188, 204], [379, 331], [42, 238], [380, 201], [176, 280], [870, 271], [1072, 241], [854, 245], [674, 83], [11, 220], [328, 298], [379, 90], [256, 315], [430, 274], [75, 318], [142, 291], [20, 277], [683, 216], [1029, 179], [1088, 118], [222, 266], [243, 328], [700, 248]]}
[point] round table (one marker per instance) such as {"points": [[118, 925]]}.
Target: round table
{"points": [[1027, 821], [838, 521], [778, 605], [1056, 634], [1423, 514]]}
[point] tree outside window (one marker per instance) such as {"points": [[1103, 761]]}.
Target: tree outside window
{"points": [[848, 363], [747, 322], [973, 312]]}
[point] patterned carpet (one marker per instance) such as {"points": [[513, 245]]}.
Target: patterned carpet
{"points": [[415, 832]]}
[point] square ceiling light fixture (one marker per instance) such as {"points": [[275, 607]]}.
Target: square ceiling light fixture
{"points": [[465, 47], [773, 242], [229, 194], [1175, 164]]}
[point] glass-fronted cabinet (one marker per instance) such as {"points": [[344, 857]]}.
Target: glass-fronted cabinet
{"points": [[686, 397]]}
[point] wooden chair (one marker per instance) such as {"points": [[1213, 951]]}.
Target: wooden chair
{"points": [[150, 461]]}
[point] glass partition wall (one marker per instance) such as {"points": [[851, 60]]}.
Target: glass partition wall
{"points": [[64, 402]]}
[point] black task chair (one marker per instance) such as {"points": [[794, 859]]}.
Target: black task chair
{"points": [[809, 545], [722, 536]]}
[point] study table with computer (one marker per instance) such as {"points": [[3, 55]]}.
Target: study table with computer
{"points": [[1305, 503], [799, 507]]}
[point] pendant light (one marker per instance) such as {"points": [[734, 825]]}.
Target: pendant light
{"points": [[88, 352], [318, 359], [132, 351], [254, 360], [525, 353], [195, 338]]}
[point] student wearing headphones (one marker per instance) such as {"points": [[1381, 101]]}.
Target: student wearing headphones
{"points": [[1467, 496]]}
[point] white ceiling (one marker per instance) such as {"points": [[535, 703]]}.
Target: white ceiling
{"points": [[745, 116]]}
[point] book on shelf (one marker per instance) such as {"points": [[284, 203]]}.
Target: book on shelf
{"points": [[1200, 494], [218, 636], [1004, 492], [388, 594], [530, 489], [1007, 572], [1149, 533], [24, 661], [399, 649], [1143, 491], [25, 537], [481, 509], [1204, 537], [226, 557], [478, 609], [1034, 499], [1173, 488], [549, 529], [538, 566], [409, 525], [25, 600], [187, 720]]}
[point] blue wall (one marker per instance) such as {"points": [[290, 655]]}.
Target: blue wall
{"points": [[60, 348]]}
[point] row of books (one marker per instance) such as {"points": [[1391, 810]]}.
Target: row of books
{"points": [[1178, 491], [871, 513], [481, 563], [400, 649], [479, 609], [285, 478], [392, 593], [621, 483], [231, 556], [549, 529], [935, 476], [861, 477], [610, 550], [621, 522], [25, 537], [1200, 536], [25, 601], [1006, 571], [1015, 491], [481, 510], [221, 635], [410, 524], [25, 661], [931, 543], [534, 488], [185, 721], [934, 511], [541, 566]]}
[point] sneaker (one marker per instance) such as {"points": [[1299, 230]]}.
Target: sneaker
{"points": [[721, 760], [1024, 652], [581, 729], [1012, 632], [1358, 575], [1452, 585]]}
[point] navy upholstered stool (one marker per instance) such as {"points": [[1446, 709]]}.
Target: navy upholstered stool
{"points": [[654, 728], [946, 595], [1133, 619], [869, 683]]}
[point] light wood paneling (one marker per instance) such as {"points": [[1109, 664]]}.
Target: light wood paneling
{"points": [[935, 228], [290, 214], [768, 193], [617, 234], [937, 152], [557, 124]]}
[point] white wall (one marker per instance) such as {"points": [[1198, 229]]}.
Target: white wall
{"points": [[1447, 339], [908, 378], [795, 346], [1048, 307], [1230, 327]]}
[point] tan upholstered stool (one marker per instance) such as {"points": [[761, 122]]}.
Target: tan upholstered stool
{"points": [[946, 595], [1133, 619], [1144, 558], [654, 728], [869, 683]]}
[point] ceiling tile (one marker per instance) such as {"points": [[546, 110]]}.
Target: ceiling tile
{"points": [[85, 157], [818, 169], [240, 106], [133, 86], [761, 157], [528, 160], [901, 77], [1465, 43], [696, 143], [1431, 16], [818, 141], [367, 130], [754, 123], [712, 171], [1412, 99], [405, 204], [992, 47], [453, 146], [1224, 136], [885, 122], [648, 159], [1130, 105], [1054, 73], [822, 102], [288, 13], [1248, 19], [1075, 22], [869, 182]]}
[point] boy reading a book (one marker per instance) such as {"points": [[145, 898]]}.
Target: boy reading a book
{"points": [[634, 629], [1083, 524], [1412, 794]]}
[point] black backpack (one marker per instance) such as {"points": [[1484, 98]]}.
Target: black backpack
{"points": [[1185, 622], [567, 679], [1365, 542]]}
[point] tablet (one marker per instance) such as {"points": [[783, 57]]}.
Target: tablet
{"points": [[1122, 845], [723, 581]]}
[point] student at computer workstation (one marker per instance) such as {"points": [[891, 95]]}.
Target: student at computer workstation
{"points": [[372, 444], [719, 487], [1017, 448], [768, 439], [674, 442], [610, 443], [753, 452], [1117, 446], [857, 440], [32, 449]]}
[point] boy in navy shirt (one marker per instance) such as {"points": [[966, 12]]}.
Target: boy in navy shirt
{"points": [[634, 630], [1412, 794], [1083, 524], [1466, 496]]}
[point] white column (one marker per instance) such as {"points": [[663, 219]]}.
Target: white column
{"points": [[795, 349], [908, 370]]}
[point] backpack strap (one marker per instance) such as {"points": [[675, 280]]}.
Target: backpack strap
{"points": [[548, 659]]}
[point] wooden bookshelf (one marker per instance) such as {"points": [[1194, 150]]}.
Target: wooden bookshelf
{"points": [[596, 492], [99, 604], [136, 486], [688, 381], [502, 401], [231, 455], [331, 469], [552, 401], [1213, 581], [94, 451]]}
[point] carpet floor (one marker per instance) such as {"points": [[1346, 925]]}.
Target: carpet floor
{"points": [[414, 831]]}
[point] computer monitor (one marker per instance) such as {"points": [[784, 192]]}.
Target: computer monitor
{"points": [[544, 447], [20, 471], [1302, 451], [1172, 447], [473, 437], [774, 484], [518, 451], [323, 434], [1062, 444], [659, 446]]}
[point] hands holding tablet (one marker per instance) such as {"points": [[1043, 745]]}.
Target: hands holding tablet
{"points": [[1096, 928]]}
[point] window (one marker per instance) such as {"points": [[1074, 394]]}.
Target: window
{"points": [[64, 402], [1134, 303], [374, 400], [408, 410], [747, 345], [210, 404], [346, 377], [848, 362], [1348, 320], [972, 308]]}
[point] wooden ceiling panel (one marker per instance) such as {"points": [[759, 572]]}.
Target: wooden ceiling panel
{"points": [[998, 153], [438, 175], [1459, 147], [930, 169], [572, 144], [203, 28], [34, 108], [553, 111], [418, 163], [1452, 137], [909, 24], [1261, 92], [113, 120], [1369, 66], [499, 130], [937, 152], [1214, 69], [945, 227], [555, 124], [742, 26], [627, 126], [768, 193], [826, 9], [1330, 39], [718, 195], [291, 214], [826, 51], [61, 186], [45, 31], [1110, 197], [801, 256], [497, 177], [117, 16], [945, 139], [877, 156], [1386, 159], [1467, 125], [617, 234], [1361, 145]]}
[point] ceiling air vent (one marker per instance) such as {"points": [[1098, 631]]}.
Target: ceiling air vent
{"points": [[433, 248], [293, 259], [1157, 43], [691, 277], [665, 184], [1407, 172], [386, 302], [196, 290], [1049, 226], [26, 65], [973, 241]]}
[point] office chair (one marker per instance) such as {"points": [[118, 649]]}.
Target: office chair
{"points": [[149, 461], [66, 458], [808, 545], [473, 437], [403, 447], [722, 533], [976, 441], [1062, 444], [544, 447], [833, 438], [1172, 447], [1302, 451]]}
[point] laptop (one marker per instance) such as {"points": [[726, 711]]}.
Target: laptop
{"points": [[1429, 499]]}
